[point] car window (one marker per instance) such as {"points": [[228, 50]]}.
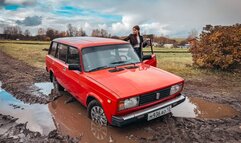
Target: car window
{"points": [[53, 49], [73, 56], [62, 52], [108, 56]]}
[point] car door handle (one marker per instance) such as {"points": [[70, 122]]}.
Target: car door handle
{"points": [[64, 68]]}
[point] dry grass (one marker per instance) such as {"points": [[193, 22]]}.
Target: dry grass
{"points": [[175, 60], [31, 54], [25, 42], [166, 50]]}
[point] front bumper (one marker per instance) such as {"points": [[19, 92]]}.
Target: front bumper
{"points": [[140, 114]]}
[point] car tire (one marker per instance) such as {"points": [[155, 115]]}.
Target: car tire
{"points": [[96, 113], [56, 84]]}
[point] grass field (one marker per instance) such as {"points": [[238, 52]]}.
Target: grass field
{"points": [[174, 60], [25, 42], [166, 50], [33, 54]]}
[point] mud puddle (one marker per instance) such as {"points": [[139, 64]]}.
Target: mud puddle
{"points": [[71, 119], [37, 115], [76, 123], [194, 107], [0, 85], [45, 87]]}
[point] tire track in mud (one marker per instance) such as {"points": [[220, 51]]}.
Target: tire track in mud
{"points": [[18, 78]]}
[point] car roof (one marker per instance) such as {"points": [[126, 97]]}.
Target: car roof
{"points": [[82, 42]]}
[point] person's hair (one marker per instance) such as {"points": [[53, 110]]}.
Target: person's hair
{"points": [[137, 28]]}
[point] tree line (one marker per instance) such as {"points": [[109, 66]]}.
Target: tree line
{"points": [[16, 33]]}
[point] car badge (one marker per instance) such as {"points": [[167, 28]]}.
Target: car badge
{"points": [[158, 95]]}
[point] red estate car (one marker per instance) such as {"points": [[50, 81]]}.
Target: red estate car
{"points": [[108, 78]]}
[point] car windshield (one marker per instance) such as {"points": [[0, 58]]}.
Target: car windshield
{"points": [[97, 58]]}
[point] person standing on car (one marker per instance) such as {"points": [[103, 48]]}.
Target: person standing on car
{"points": [[136, 40]]}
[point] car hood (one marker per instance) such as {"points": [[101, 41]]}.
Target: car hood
{"points": [[130, 82]]}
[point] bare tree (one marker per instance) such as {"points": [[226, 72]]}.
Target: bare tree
{"points": [[50, 33], [41, 31], [100, 33], [81, 32], [95, 33], [12, 30], [26, 33], [71, 30], [192, 34]]}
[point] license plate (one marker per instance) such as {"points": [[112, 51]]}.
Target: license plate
{"points": [[159, 113]]}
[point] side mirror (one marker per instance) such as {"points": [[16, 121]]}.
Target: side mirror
{"points": [[74, 67]]}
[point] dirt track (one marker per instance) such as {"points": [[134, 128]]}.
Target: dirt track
{"points": [[18, 78]]}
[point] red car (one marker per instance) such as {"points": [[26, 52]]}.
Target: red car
{"points": [[108, 78]]}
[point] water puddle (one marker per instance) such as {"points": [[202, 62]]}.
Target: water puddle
{"points": [[0, 86], [195, 107], [71, 119], [38, 116], [45, 87], [76, 123]]}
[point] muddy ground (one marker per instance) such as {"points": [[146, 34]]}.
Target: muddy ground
{"points": [[17, 78]]}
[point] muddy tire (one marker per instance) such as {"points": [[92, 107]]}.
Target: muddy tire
{"points": [[56, 84], [96, 113]]}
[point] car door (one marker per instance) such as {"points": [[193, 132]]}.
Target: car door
{"points": [[150, 60], [51, 57], [75, 77], [149, 57], [60, 65]]}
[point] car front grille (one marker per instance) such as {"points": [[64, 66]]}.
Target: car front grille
{"points": [[154, 96]]}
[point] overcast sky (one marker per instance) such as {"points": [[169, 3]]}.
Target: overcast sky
{"points": [[175, 18]]}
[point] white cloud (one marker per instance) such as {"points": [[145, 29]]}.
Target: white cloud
{"points": [[172, 17], [154, 28]]}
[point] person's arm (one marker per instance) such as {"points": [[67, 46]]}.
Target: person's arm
{"points": [[144, 43], [127, 38]]}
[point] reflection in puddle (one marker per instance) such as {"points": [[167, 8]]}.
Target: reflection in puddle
{"points": [[76, 123], [71, 119], [195, 107], [45, 87], [38, 116], [0, 86]]}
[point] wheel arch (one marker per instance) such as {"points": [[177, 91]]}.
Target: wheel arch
{"points": [[91, 97]]}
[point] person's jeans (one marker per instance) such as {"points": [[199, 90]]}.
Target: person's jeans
{"points": [[138, 51]]}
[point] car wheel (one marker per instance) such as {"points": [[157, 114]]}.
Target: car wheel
{"points": [[56, 84], [96, 113]]}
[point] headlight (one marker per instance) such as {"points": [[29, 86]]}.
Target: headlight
{"points": [[128, 103], [175, 88]]}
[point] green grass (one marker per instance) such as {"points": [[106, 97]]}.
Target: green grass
{"points": [[178, 63], [166, 50]]}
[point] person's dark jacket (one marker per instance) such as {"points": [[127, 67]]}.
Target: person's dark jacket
{"points": [[133, 40]]}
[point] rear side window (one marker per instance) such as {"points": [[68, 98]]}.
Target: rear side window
{"points": [[53, 49], [73, 56], [62, 52]]}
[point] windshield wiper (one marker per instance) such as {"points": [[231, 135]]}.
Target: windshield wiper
{"points": [[118, 62], [99, 68], [132, 67]]}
